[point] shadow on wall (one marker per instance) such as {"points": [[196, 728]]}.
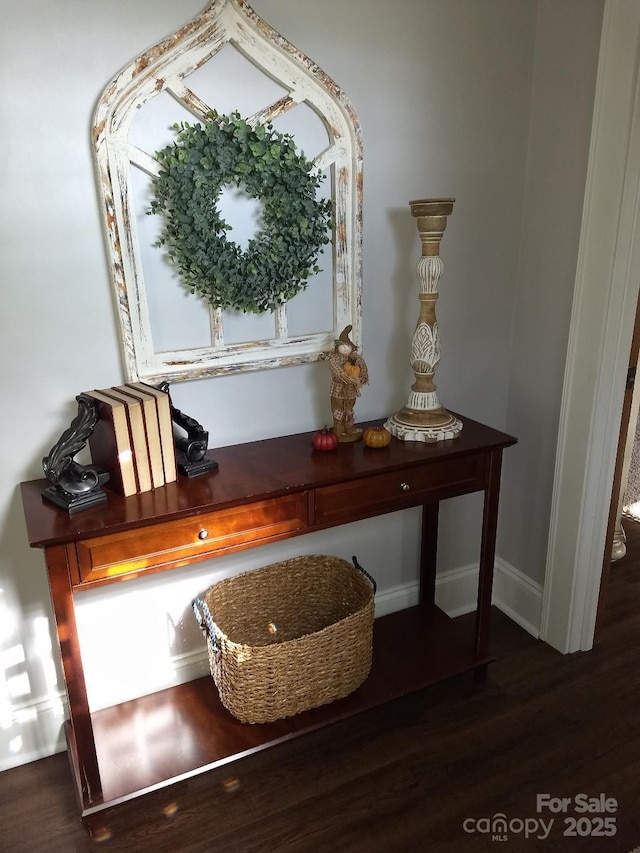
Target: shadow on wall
{"points": [[32, 704], [32, 696]]}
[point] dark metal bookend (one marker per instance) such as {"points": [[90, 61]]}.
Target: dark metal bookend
{"points": [[191, 449], [74, 487]]}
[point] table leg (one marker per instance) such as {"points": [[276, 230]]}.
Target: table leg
{"points": [[80, 737], [429, 553], [487, 556]]}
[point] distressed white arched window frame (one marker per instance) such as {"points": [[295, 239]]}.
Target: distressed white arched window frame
{"points": [[163, 72]]}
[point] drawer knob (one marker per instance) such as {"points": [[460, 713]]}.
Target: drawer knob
{"points": [[405, 487], [203, 533]]}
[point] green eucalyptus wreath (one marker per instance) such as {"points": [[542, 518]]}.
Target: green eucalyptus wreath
{"points": [[227, 151]]}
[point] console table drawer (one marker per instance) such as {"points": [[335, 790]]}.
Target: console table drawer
{"points": [[177, 542], [379, 493]]}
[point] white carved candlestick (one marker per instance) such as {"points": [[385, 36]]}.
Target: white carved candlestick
{"points": [[422, 418]]}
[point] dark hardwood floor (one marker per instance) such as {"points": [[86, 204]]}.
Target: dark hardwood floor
{"points": [[407, 777]]}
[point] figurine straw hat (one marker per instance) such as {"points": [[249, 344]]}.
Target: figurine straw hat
{"points": [[345, 339]]}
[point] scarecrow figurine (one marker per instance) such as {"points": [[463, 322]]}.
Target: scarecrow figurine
{"points": [[348, 373]]}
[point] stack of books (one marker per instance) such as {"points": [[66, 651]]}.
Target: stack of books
{"points": [[133, 437]]}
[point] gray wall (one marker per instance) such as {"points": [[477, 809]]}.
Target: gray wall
{"points": [[488, 101], [565, 67]]}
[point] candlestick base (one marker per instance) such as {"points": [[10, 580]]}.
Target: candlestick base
{"points": [[428, 427]]}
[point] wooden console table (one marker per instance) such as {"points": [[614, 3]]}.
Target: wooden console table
{"points": [[262, 492]]}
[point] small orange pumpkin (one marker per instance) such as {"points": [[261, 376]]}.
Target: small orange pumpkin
{"points": [[376, 436], [351, 368]]}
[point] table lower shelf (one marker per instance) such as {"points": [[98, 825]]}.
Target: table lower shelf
{"points": [[156, 740]]}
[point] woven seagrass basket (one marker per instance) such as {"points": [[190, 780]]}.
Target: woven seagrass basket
{"points": [[288, 637]]}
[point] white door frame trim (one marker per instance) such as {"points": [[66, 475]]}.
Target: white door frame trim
{"points": [[606, 292]]}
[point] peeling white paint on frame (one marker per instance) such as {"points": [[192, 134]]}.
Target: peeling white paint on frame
{"points": [[165, 68]]}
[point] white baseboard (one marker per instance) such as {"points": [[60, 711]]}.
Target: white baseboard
{"points": [[457, 590], [518, 597], [515, 594], [36, 730], [397, 598]]}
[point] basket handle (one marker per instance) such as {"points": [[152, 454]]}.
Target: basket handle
{"points": [[205, 621], [365, 573]]}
